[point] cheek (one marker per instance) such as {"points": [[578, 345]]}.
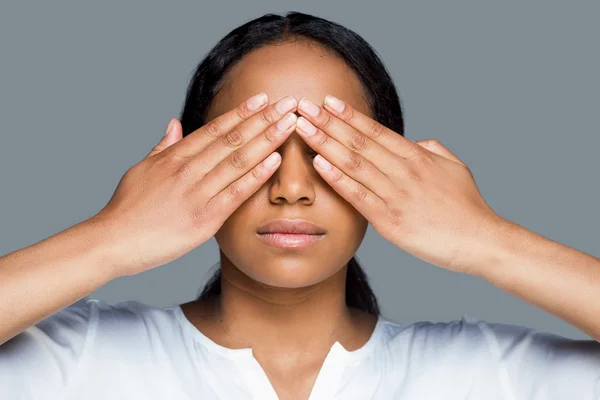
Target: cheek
{"points": [[250, 211], [240, 224], [344, 213], [349, 233], [347, 227]]}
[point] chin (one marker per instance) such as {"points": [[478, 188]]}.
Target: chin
{"points": [[289, 273]]}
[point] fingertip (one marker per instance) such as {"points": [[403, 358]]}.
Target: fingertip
{"points": [[177, 126], [257, 102], [176, 132], [169, 127]]}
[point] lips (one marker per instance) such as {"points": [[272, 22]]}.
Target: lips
{"points": [[291, 227]]}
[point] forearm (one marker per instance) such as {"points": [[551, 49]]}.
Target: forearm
{"points": [[41, 279], [554, 277]]}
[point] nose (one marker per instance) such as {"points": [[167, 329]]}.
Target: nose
{"points": [[295, 179]]}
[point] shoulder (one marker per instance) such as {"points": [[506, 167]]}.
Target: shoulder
{"points": [[126, 320], [95, 331], [426, 341], [499, 339], [92, 322], [435, 334], [90, 313], [55, 348], [86, 342], [66, 330], [523, 358]]}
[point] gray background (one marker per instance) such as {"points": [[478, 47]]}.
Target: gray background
{"points": [[511, 87]]}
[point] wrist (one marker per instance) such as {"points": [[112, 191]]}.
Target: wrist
{"points": [[493, 247], [107, 251]]}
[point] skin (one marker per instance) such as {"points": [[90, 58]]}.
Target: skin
{"points": [[269, 295]]}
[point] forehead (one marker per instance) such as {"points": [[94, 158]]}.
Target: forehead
{"points": [[298, 69]]}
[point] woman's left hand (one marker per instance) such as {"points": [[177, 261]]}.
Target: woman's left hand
{"points": [[417, 195]]}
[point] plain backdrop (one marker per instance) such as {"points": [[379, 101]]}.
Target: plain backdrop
{"points": [[511, 87]]}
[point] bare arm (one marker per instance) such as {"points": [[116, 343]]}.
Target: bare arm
{"points": [[40, 280], [556, 278], [154, 216]]}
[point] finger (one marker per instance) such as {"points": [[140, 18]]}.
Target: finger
{"points": [[436, 147], [229, 200], [202, 137], [386, 137], [173, 134], [359, 196], [351, 164], [230, 143], [223, 177], [385, 161]]}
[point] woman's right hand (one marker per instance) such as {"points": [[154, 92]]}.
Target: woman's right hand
{"points": [[182, 192]]}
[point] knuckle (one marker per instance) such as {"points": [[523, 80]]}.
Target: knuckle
{"points": [[403, 194], [354, 161], [413, 175], [396, 216], [268, 116], [235, 192], [233, 139], [271, 135], [327, 121], [239, 160], [358, 141], [376, 129], [359, 193], [257, 174], [349, 114], [241, 112], [426, 158], [183, 171], [322, 140], [421, 157], [213, 129]]}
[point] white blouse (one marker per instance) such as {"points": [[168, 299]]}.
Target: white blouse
{"points": [[92, 350]]}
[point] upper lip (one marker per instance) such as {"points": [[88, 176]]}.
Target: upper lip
{"points": [[298, 226]]}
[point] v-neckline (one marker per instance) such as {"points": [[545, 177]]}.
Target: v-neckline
{"points": [[328, 377]]}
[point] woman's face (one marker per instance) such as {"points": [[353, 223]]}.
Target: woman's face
{"points": [[295, 190]]}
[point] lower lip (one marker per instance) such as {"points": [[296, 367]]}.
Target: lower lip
{"points": [[290, 240]]}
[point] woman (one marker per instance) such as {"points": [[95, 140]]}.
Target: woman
{"points": [[290, 314]]}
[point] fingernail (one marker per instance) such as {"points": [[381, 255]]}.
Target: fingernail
{"points": [[169, 127], [335, 103], [309, 107], [286, 104], [257, 101], [271, 160], [323, 163], [287, 121], [306, 127]]}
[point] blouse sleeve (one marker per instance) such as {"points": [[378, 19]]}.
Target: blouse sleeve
{"points": [[39, 362], [538, 365]]}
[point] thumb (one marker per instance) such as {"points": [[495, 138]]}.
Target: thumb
{"points": [[173, 134], [436, 147]]}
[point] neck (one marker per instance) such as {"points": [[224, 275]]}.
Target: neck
{"points": [[302, 323], [290, 319]]}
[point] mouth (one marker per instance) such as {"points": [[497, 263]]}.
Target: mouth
{"points": [[290, 234], [290, 240], [288, 226]]}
